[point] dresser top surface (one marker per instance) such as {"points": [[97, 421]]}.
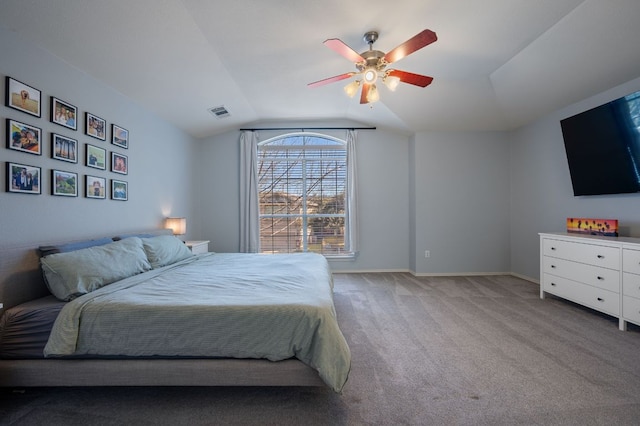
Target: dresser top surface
{"points": [[594, 238]]}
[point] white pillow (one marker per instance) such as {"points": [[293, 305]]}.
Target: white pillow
{"points": [[72, 274], [165, 250]]}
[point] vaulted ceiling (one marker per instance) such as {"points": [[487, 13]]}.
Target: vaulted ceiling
{"points": [[497, 64]]}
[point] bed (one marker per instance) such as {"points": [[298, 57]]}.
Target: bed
{"points": [[144, 311]]}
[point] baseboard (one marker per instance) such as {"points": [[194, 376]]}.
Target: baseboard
{"points": [[374, 271], [526, 278], [436, 274], [456, 274]]}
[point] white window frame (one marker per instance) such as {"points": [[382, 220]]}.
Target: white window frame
{"points": [[336, 144]]}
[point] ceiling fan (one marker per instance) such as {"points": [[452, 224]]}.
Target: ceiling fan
{"points": [[371, 65]]}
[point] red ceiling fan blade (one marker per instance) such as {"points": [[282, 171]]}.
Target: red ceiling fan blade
{"points": [[338, 46], [364, 93], [331, 79], [411, 78], [416, 42]]}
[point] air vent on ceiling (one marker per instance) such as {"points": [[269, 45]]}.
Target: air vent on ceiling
{"points": [[220, 111]]}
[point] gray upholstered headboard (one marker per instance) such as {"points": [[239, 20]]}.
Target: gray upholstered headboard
{"points": [[20, 275]]}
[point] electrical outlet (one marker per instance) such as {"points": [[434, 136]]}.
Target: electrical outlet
{"points": [[427, 254]]}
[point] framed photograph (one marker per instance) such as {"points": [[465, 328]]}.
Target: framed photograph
{"points": [[22, 97], [64, 183], [64, 114], [24, 137], [96, 127], [95, 187], [119, 190], [119, 136], [64, 148], [96, 157], [22, 178], [119, 163]]}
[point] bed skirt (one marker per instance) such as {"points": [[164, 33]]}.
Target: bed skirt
{"points": [[156, 372]]}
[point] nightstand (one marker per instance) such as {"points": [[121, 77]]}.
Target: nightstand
{"points": [[198, 247]]}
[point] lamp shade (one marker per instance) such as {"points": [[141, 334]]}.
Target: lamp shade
{"points": [[351, 88], [177, 224], [391, 82], [373, 95]]}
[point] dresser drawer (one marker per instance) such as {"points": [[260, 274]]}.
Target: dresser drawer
{"points": [[593, 297], [592, 254], [631, 261], [631, 285], [631, 309], [607, 279]]}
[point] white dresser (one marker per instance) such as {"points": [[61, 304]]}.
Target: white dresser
{"points": [[602, 273]]}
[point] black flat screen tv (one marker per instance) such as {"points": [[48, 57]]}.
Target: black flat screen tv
{"points": [[603, 147]]}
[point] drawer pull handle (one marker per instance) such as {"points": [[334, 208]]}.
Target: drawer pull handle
{"points": [[553, 284], [600, 299], [553, 266], [600, 256], [601, 278], [553, 248]]}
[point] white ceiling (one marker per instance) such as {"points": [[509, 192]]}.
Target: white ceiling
{"points": [[497, 64]]}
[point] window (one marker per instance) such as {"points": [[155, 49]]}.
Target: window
{"points": [[302, 184]]}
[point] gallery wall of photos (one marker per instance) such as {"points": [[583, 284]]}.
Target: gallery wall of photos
{"points": [[68, 144]]}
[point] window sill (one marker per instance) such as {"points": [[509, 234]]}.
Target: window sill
{"points": [[341, 257]]}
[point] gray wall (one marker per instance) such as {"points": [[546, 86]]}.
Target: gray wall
{"points": [[461, 201], [383, 196], [541, 193], [161, 158], [448, 193]]}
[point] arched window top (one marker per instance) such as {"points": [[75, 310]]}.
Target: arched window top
{"points": [[303, 140]]}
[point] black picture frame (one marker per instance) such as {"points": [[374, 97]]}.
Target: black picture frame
{"points": [[95, 187], [95, 157], [119, 136], [22, 97], [119, 190], [64, 148], [64, 114], [95, 127], [64, 183], [119, 163], [24, 179], [24, 137]]}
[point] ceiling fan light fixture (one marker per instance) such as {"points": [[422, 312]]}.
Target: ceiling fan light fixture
{"points": [[391, 82], [373, 95], [352, 88], [370, 75]]}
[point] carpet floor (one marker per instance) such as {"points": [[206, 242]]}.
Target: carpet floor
{"points": [[480, 350]]}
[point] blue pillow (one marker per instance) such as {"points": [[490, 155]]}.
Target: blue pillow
{"points": [[72, 274], [165, 250], [69, 247], [123, 236]]}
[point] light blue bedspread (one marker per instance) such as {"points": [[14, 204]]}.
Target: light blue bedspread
{"points": [[214, 305]]}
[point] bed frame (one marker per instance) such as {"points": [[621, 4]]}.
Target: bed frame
{"points": [[21, 280]]}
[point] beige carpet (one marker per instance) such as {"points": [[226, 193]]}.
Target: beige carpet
{"points": [[426, 351]]}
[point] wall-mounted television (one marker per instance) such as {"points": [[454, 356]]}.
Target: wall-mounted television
{"points": [[603, 147]]}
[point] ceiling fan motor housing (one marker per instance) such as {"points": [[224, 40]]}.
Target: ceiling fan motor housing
{"points": [[372, 58]]}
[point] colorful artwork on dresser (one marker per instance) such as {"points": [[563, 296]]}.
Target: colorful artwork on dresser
{"points": [[605, 227]]}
